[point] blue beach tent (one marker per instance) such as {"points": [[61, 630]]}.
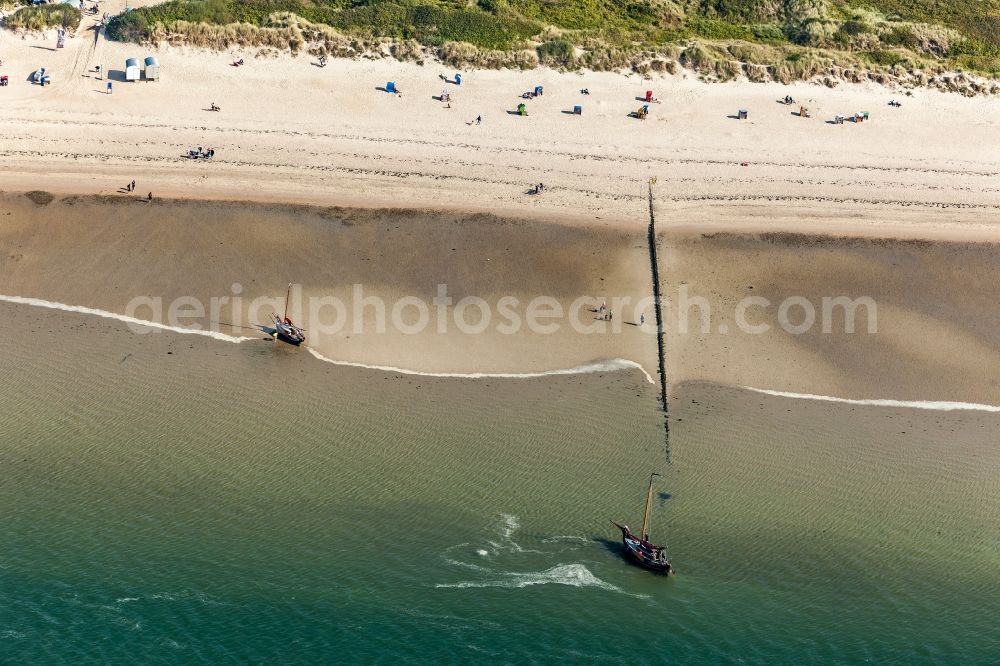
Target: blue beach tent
{"points": [[390, 87]]}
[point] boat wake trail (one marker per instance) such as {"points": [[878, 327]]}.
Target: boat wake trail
{"points": [[934, 405], [612, 365], [508, 525], [574, 575], [52, 305]]}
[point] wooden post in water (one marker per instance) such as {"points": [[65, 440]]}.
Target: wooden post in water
{"points": [[654, 263]]}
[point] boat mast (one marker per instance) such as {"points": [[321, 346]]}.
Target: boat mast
{"points": [[649, 505], [287, 294]]}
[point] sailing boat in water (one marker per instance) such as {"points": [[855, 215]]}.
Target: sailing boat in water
{"points": [[638, 548]]}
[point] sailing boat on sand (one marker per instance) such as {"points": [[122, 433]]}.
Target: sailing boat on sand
{"points": [[638, 548], [283, 328]]}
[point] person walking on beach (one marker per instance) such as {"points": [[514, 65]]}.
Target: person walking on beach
{"points": [[479, 120], [604, 306], [642, 319], [132, 186], [109, 87], [149, 197]]}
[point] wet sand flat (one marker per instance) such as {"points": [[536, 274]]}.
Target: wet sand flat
{"points": [[934, 304]]}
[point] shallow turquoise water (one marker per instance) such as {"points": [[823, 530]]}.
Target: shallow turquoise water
{"points": [[174, 508]]}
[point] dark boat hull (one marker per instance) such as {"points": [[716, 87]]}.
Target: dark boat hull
{"points": [[290, 340], [288, 332], [646, 563], [645, 554]]}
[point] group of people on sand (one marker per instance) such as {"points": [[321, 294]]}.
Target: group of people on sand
{"points": [[537, 189], [130, 187], [199, 152], [608, 314]]}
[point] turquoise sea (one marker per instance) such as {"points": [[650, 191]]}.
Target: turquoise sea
{"points": [[176, 501]]}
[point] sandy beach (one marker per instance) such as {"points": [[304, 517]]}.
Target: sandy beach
{"points": [[292, 132], [122, 249]]}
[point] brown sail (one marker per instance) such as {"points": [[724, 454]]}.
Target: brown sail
{"points": [[639, 549]]}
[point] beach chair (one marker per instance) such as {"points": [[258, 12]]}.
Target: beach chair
{"points": [[522, 110], [458, 79], [649, 95], [390, 87], [742, 114], [538, 91], [803, 112], [3, 80], [578, 110], [838, 120]]}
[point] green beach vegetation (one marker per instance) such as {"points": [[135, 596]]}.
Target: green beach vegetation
{"points": [[721, 39], [42, 17]]}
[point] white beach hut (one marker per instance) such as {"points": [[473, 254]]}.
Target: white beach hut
{"points": [[152, 68], [132, 70]]}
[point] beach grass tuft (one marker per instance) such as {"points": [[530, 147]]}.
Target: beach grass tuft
{"points": [[42, 17], [762, 39]]}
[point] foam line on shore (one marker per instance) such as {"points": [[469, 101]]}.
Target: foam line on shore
{"points": [[586, 368], [611, 365], [52, 305], [933, 405]]}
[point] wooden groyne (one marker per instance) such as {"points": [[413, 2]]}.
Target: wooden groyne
{"points": [[660, 328]]}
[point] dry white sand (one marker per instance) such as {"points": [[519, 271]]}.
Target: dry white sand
{"points": [[292, 131]]}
